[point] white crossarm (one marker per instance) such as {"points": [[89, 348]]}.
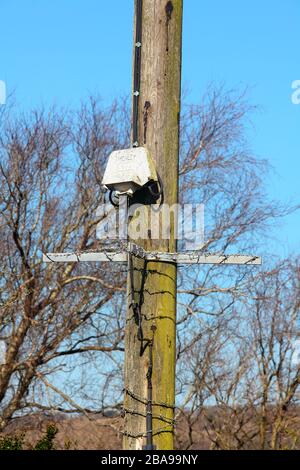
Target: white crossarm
{"points": [[193, 257], [120, 257]]}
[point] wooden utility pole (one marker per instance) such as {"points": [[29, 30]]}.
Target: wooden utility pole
{"points": [[150, 332], [158, 114]]}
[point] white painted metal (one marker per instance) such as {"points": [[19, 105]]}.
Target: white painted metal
{"points": [[128, 170], [82, 257], [193, 257]]}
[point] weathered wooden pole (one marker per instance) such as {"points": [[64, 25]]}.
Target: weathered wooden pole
{"points": [[150, 333], [150, 364]]}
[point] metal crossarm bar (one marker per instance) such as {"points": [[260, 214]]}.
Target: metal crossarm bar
{"points": [[193, 257]]}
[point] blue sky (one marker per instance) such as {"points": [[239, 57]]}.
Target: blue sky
{"points": [[58, 51]]}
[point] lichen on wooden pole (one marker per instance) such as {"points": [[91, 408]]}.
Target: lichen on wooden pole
{"points": [[158, 130]]}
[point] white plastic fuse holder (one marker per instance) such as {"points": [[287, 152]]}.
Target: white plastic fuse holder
{"points": [[128, 170]]}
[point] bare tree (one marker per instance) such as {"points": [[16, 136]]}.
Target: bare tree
{"points": [[219, 170], [62, 325], [50, 173], [251, 384]]}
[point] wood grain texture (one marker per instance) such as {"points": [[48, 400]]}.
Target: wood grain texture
{"points": [[159, 111]]}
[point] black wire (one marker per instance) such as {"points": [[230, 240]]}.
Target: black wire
{"points": [[137, 70], [111, 199], [137, 306], [149, 413], [160, 192]]}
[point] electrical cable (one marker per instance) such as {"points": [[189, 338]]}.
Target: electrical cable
{"points": [[111, 198], [159, 193], [136, 306], [137, 72]]}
